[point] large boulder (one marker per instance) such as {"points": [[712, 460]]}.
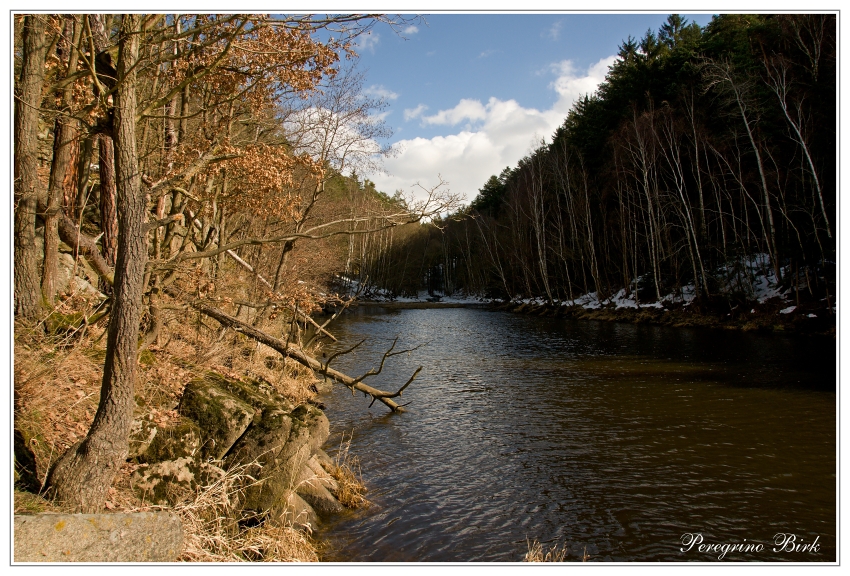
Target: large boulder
{"points": [[165, 483], [249, 424], [283, 462], [221, 416], [142, 432], [136, 537], [313, 488], [180, 440]]}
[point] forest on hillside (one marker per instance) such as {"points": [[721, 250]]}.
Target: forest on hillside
{"points": [[704, 151]]}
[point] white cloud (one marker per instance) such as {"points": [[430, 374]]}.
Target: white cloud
{"points": [[466, 109], [410, 30], [494, 134], [368, 42], [555, 30], [571, 85], [411, 113], [380, 92]]}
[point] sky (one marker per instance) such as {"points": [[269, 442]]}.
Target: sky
{"points": [[470, 94]]}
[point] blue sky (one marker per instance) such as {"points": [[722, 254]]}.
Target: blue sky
{"points": [[468, 94]]}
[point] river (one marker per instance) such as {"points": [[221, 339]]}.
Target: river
{"points": [[614, 440]]}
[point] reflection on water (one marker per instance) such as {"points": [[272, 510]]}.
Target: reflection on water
{"points": [[614, 437]]}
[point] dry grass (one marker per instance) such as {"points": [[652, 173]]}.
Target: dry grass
{"points": [[536, 553], [211, 531], [346, 472], [57, 388], [56, 391]]}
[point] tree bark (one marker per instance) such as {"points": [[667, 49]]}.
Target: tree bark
{"points": [[27, 103], [108, 208], [82, 476], [64, 164], [106, 161]]}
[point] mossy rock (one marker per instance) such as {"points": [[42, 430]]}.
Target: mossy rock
{"points": [[263, 441], [182, 440], [221, 416], [169, 481], [142, 433], [280, 474], [260, 394], [58, 323], [147, 357]]}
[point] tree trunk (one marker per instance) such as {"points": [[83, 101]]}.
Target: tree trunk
{"points": [[106, 161], [108, 208], [84, 473], [27, 103], [63, 167]]}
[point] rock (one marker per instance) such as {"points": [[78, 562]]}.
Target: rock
{"points": [[314, 421], [80, 286], [258, 393], [221, 416], [72, 276], [324, 460], [137, 537], [283, 465], [323, 476], [164, 483], [142, 433], [323, 385], [247, 423], [292, 510], [264, 439], [182, 440], [312, 489]]}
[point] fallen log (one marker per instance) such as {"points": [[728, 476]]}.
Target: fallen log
{"points": [[70, 235], [249, 268], [296, 353]]}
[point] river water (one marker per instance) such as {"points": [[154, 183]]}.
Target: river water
{"points": [[613, 440]]}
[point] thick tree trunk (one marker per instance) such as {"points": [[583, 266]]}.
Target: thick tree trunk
{"points": [[27, 103], [84, 473]]}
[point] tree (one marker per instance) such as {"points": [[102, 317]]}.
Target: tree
{"points": [[83, 474], [228, 71], [27, 104]]}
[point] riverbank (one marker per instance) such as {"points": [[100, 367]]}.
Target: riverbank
{"points": [[746, 318], [56, 389], [775, 316]]}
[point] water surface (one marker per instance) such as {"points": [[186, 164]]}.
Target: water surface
{"points": [[612, 438]]}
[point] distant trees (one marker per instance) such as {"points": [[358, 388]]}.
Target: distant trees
{"points": [[697, 152]]}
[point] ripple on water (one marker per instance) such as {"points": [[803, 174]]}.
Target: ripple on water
{"points": [[613, 437]]}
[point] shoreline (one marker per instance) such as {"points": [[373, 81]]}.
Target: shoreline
{"points": [[762, 318]]}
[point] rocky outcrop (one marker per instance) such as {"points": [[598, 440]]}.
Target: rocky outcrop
{"points": [[136, 537], [227, 423]]}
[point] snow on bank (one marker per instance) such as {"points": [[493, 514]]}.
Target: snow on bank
{"points": [[753, 276]]}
